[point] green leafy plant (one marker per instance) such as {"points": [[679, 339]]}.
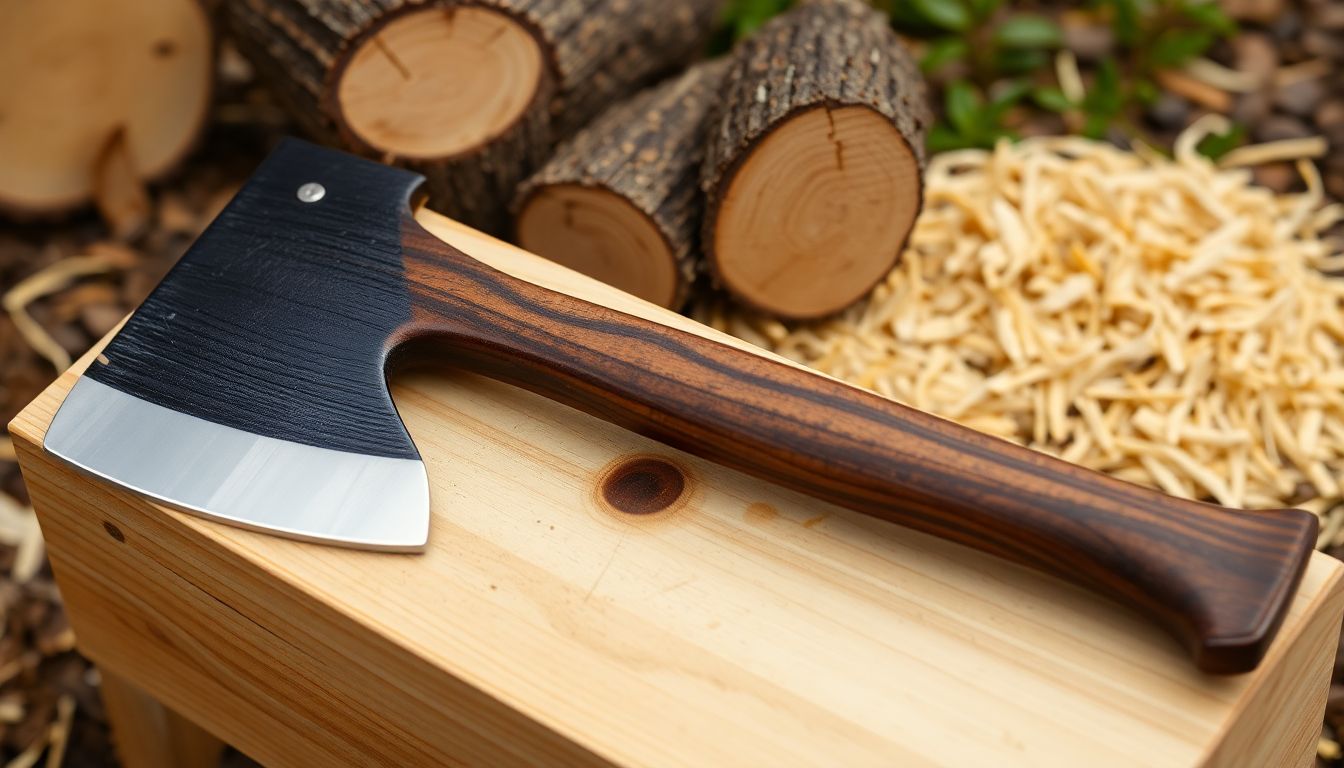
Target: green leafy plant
{"points": [[1163, 34], [1153, 35], [1216, 145], [974, 120], [989, 50], [984, 37], [740, 18], [990, 62]]}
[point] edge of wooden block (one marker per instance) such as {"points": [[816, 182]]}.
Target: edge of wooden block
{"points": [[1271, 719], [1261, 710]]}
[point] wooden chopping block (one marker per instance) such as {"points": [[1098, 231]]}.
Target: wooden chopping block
{"points": [[732, 623]]}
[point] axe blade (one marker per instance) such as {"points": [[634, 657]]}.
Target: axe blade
{"points": [[250, 387], [253, 481]]}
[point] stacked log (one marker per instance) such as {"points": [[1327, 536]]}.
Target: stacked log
{"points": [[790, 172], [807, 143], [620, 201], [813, 170], [88, 96], [472, 95]]}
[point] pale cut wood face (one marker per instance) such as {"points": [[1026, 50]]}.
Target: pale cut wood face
{"points": [[818, 212], [152, 79], [600, 234], [750, 623], [436, 82]]}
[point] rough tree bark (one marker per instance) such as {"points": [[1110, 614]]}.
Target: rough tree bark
{"points": [[814, 165], [471, 94], [620, 201], [76, 74]]}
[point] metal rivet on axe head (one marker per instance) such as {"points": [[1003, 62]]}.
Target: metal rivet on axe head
{"points": [[312, 192]]}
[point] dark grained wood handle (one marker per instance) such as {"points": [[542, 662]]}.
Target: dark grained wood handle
{"points": [[1221, 580]]}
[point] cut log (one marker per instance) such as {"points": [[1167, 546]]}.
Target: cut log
{"points": [[814, 166], [456, 93], [473, 96], [118, 191], [620, 201], [78, 71]]}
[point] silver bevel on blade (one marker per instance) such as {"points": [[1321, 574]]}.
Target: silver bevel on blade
{"points": [[277, 486]]}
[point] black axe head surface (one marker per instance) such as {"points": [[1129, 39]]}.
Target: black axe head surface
{"points": [[250, 386]]}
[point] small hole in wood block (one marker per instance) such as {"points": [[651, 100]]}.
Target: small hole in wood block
{"points": [[165, 48], [114, 532], [643, 485]]}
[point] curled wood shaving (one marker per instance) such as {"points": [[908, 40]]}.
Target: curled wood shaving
{"points": [[58, 736], [48, 281], [1163, 320], [1269, 152], [19, 529], [1328, 749], [1070, 79], [30, 755], [118, 191], [1212, 73]]}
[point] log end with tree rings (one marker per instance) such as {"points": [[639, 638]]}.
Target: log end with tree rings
{"points": [[816, 212], [76, 73], [813, 171], [601, 234], [620, 201], [437, 82], [473, 95]]}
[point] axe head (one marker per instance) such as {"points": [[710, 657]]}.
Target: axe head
{"points": [[250, 386]]}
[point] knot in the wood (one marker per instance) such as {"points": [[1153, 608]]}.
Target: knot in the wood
{"points": [[643, 486], [114, 532]]}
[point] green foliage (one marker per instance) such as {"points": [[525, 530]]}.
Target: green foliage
{"points": [[1052, 99], [740, 18], [981, 35], [943, 51], [972, 119], [1216, 145], [951, 15], [1104, 102], [1027, 32], [993, 60], [1160, 34], [983, 46]]}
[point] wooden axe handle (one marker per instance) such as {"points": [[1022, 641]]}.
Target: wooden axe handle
{"points": [[1220, 579]]}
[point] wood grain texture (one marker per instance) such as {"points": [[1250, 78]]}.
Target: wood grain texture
{"points": [[813, 170], [282, 319], [645, 152], [750, 625], [147, 734]]}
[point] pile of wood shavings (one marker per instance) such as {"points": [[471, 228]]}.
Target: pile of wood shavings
{"points": [[1164, 321]]}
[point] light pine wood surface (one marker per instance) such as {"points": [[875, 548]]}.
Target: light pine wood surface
{"points": [[150, 735], [745, 626]]}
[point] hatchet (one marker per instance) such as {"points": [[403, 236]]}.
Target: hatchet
{"points": [[250, 387]]}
